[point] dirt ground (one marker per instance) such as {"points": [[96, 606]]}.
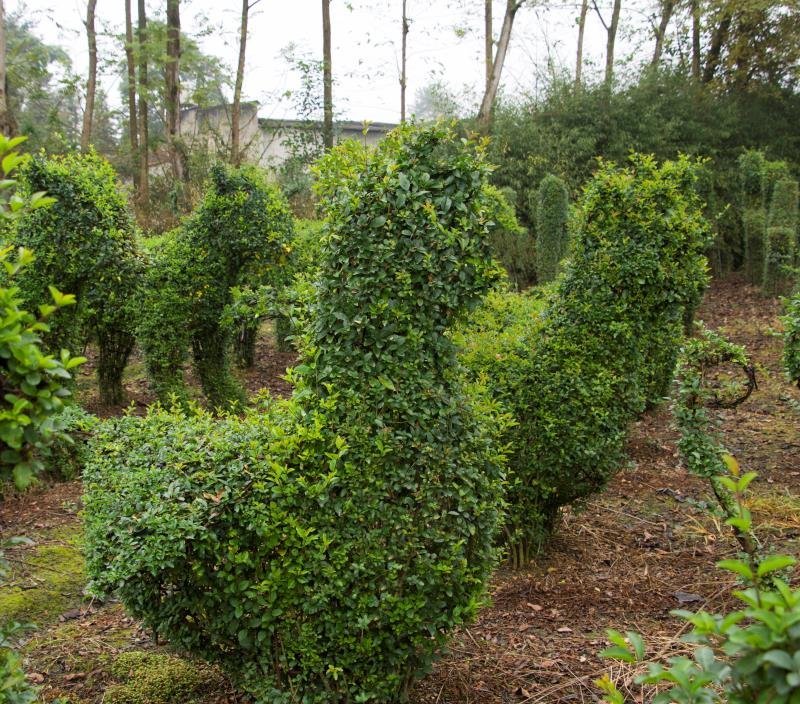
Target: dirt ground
{"points": [[646, 546]]}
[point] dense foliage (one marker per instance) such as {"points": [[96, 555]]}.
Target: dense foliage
{"points": [[781, 238], [322, 548], [238, 231], [552, 213], [605, 345], [84, 244], [791, 339], [512, 245]]}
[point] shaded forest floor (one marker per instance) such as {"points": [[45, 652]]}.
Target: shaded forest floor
{"points": [[625, 560]]}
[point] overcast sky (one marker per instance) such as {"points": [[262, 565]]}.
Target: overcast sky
{"points": [[445, 42]]}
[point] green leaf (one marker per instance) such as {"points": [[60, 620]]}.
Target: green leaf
{"points": [[773, 563]]}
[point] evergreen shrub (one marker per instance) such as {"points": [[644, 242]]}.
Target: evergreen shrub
{"points": [[552, 214], [238, 231], [781, 238], [512, 244], [322, 548], [604, 345], [791, 339], [84, 244]]}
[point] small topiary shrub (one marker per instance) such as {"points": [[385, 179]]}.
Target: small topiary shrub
{"points": [[322, 548], [781, 238], [577, 372], [84, 244], [552, 237], [791, 339], [512, 244], [238, 230]]}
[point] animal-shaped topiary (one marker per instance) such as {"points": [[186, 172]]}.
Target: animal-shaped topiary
{"points": [[240, 227], [85, 244], [322, 548]]}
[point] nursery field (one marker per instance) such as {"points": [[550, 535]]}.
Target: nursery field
{"points": [[624, 560]]}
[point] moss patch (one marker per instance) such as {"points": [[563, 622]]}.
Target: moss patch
{"points": [[46, 580], [153, 678]]}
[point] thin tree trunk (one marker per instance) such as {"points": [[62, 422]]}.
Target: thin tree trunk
{"points": [[611, 42], [403, 66], [173, 88], [718, 39], [581, 33], [133, 123], [488, 43], [236, 110], [327, 77], [7, 125], [487, 104], [696, 39], [667, 7], [91, 81], [144, 165]]}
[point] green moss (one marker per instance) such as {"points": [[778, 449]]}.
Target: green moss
{"points": [[46, 580], [151, 678]]}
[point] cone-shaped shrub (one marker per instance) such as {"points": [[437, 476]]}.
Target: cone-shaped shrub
{"points": [[781, 240], [84, 244], [606, 343], [791, 339], [240, 226], [322, 549], [552, 214], [512, 244]]}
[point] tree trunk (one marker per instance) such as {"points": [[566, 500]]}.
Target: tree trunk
{"points": [[696, 39], [236, 110], [91, 81], [488, 43], [327, 77], [611, 42], [487, 104], [7, 124], [133, 123], [718, 39], [581, 33], [173, 88], [144, 161], [667, 8], [403, 66]]}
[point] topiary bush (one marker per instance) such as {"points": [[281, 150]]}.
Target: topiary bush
{"points": [[604, 345], [512, 244], [322, 548], [552, 237], [238, 231], [791, 339], [781, 238], [85, 244]]}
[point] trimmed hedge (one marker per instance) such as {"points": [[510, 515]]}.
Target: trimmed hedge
{"points": [[85, 244], [238, 231], [322, 548], [605, 345], [781, 239], [512, 244], [791, 339], [552, 235]]}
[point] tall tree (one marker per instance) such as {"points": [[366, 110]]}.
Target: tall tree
{"points": [[236, 110], [173, 88], [144, 161], [581, 33], [492, 86], [327, 77], [667, 8], [611, 37], [91, 81], [7, 126], [403, 75], [488, 42], [133, 122], [695, 6]]}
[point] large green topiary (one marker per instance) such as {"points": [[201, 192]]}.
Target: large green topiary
{"points": [[322, 549], [781, 238], [552, 214], [575, 374], [84, 244], [791, 339], [239, 229]]}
